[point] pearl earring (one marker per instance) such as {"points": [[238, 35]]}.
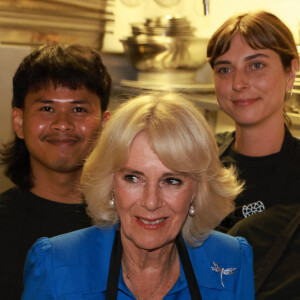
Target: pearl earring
{"points": [[192, 210], [112, 199]]}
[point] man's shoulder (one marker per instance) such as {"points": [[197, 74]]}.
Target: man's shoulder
{"points": [[10, 199], [11, 193], [11, 209]]}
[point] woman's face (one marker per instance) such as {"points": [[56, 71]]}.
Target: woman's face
{"points": [[152, 201], [251, 84]]}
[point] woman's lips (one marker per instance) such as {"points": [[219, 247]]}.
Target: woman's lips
{"points": [[244, 102], [151, 224]]}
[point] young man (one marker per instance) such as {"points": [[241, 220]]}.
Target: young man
{"points": [[60, 99]]}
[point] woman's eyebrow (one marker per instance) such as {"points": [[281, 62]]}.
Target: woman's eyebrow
{"points": [[124, 169], [247, 58], [250, 57]]}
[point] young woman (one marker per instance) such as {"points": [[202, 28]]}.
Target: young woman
{"points": [[254, 60]]}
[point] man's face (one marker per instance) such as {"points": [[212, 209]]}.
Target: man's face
{"points": [[59, 127]]}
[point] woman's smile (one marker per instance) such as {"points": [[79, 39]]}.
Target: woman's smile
{"points": [[245, 102], [152, 201], [151, 224], [250, 78]]}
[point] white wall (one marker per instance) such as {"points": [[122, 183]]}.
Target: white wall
{"points": [[220, 10]]}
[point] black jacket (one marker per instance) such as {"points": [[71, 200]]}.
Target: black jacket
{"points": [[25, 217], [269, 180]]}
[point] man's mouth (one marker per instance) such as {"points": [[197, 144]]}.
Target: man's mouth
{"points": [[60, 139]]}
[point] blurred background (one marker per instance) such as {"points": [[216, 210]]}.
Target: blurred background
{"points": [[146, 44]]}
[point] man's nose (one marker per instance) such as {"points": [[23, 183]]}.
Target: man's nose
{"points": [[62, 122]]}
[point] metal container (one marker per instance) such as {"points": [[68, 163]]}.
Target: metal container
{"points": [[160, 54]]}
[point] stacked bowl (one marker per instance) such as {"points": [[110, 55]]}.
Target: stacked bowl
{"points": [[165, 44], [163, 26]]}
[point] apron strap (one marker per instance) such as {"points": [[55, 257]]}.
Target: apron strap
{"points": [[115, 266], [188, 269]]}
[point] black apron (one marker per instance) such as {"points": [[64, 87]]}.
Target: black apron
{"points": [[115, 267]]}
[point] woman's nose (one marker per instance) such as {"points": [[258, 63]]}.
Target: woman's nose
{"points": [[151, 197], [62, 122], [240, 81]]}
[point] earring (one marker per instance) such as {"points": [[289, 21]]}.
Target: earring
{"points": [[112, 199], [288, 95], [192, 210]]}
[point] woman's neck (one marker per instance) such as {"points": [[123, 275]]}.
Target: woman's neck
{"points": [[148, 260], [150, 274], [259, 140]]}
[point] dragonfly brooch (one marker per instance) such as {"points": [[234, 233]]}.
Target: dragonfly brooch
{"points": [[218, 269]]}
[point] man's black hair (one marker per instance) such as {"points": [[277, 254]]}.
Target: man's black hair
{"points": [[71, 66]]}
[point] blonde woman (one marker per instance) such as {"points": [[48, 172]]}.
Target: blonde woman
{"points": [[155, 189]]}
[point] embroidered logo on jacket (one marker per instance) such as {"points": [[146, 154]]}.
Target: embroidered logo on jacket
{"points": [[222, 271]]}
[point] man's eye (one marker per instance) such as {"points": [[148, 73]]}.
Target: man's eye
{"points": [[173, 181], [46, 108], [223, 70], [79, 109], [131, 178]]}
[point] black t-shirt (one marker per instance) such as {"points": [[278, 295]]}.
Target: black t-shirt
{"points": [[269, 180], [258, 175], [25, 217]]}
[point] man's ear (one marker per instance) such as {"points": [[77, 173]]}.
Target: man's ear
{"points": [[105, 118], [17, 121]]}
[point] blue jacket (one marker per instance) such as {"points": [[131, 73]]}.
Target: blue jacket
{"points": [[75, 266]]}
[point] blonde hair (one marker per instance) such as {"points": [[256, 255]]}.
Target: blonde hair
{"points": [[184, 143]]}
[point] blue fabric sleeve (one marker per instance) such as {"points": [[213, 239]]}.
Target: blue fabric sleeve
{"points": [[38, 272], [245, 285]]}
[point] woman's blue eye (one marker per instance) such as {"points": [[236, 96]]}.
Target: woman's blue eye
{"points": [[173, 181], [257, 65], [131, 178]]}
